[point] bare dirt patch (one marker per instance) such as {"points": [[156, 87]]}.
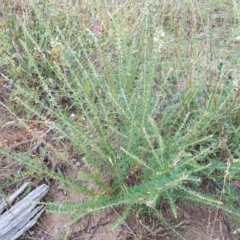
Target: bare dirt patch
{"points": [[204, 223]]}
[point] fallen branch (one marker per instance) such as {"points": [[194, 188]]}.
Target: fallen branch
{"points": [[8, 202], [23, 215]]}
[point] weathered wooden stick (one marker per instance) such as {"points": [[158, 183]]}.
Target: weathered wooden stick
{"points": [[6, 203], [23, 215], [39, 210]]}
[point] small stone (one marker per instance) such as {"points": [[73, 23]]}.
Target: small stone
{"points": [[72, 115], [67, 71], [78, 164], [237, 39]]}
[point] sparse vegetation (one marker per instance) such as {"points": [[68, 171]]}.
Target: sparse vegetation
{"points": [[144, 94]]}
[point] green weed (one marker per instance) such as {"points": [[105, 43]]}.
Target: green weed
{"points": [[154, 91]]}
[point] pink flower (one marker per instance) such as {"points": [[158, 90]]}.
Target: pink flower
{"points": [[96, 28]]}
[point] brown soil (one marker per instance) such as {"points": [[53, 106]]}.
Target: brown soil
{"points": [[193, 222]]}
